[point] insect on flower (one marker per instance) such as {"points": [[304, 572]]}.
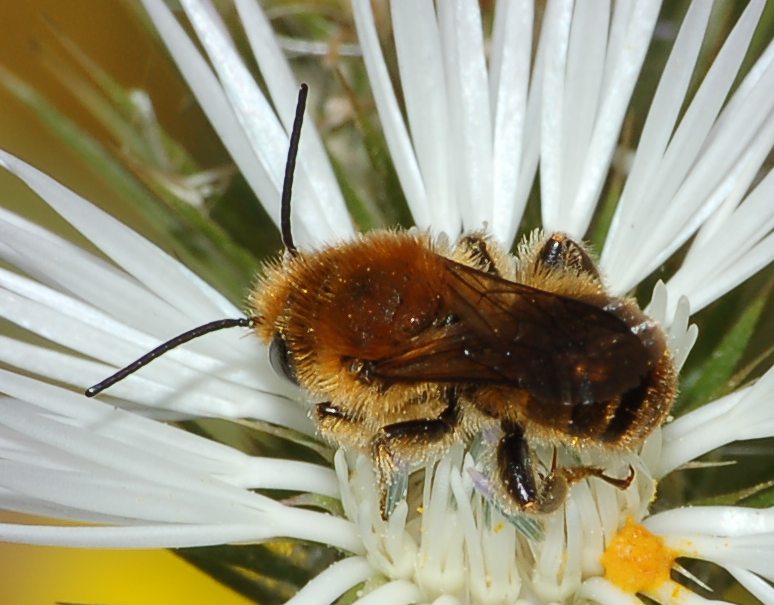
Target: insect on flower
{"points": [[408, 345]]}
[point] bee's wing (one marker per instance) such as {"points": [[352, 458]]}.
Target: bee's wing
{"points": [[561, 350]]}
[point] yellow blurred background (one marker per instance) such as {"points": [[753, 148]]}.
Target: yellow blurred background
{"points": [[110, 32], [36, 575]]}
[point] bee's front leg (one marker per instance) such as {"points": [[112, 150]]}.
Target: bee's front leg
{"points": [[516, 472]]}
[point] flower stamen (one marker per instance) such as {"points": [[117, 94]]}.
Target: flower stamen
{"points": [[637, 560]]}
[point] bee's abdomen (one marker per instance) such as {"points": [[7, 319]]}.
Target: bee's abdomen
{"points": [[640, 410], [624, 421]]}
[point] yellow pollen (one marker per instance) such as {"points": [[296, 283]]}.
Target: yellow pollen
{"points": [[637, 560]]}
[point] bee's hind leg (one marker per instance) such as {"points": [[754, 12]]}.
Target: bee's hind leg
{"points": [[518, 478], [562, 253], [397, 443]]}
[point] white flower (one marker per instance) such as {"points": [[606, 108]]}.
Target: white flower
{"points": [[478, 125]]}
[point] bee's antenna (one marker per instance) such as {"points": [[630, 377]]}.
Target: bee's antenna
{"points": [[241, 322], [290, 167], [220, 324]]}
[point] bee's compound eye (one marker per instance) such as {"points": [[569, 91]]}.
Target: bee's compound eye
{"points": [[280, 360]]}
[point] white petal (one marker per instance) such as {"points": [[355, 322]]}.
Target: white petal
{"points": [[671, 592], [468, 95], [84, 441], [197, 386], [603, 592], [744, 414], [623, 64], [557, 23], [283, 89], [551, 580], [682, 335], [158, 271], [103, 424], [213, 101], [84, 277], [276, 473], [265, 133], [418, 46], [750, 552], [67, 309], [309, 526], [726, 535], [86, 461], [658, 128], [492, 560], [729, 521], [582, 82], [397, 592], [26, 504], [733, 248], [672, 190], [120, 496], [759, 588], [333, 582], [147, 536], [509, 85], [227, 361], [395, 133], [674, 319], [447, 600], [532, 138], [589, 80], [240, 114]]}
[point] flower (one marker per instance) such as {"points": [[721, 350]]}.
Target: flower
{"points": [[467, 159]]}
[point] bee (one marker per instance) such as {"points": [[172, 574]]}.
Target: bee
{"points": [[408, 345]]}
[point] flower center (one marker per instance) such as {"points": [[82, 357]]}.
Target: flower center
{"points": [[637, 560], [448, 540]]}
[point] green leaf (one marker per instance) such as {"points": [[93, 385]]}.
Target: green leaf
{"points": [[364, 215], [327, 504], [758, 496], [352, 595], [711, 380], [761, 497]]}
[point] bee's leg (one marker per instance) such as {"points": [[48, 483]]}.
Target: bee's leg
{"points": [[327, 414], [331, 419], [477, 249], [339, 426], [515, 468], [561, 252], [395, 443]]}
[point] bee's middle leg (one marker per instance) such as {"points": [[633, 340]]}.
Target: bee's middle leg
{"points": [[400, 441]]}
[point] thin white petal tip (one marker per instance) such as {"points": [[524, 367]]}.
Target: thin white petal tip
{"points": [[680, 334]]}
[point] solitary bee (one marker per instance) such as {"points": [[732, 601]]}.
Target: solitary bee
{"points": [[408, 345]]}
